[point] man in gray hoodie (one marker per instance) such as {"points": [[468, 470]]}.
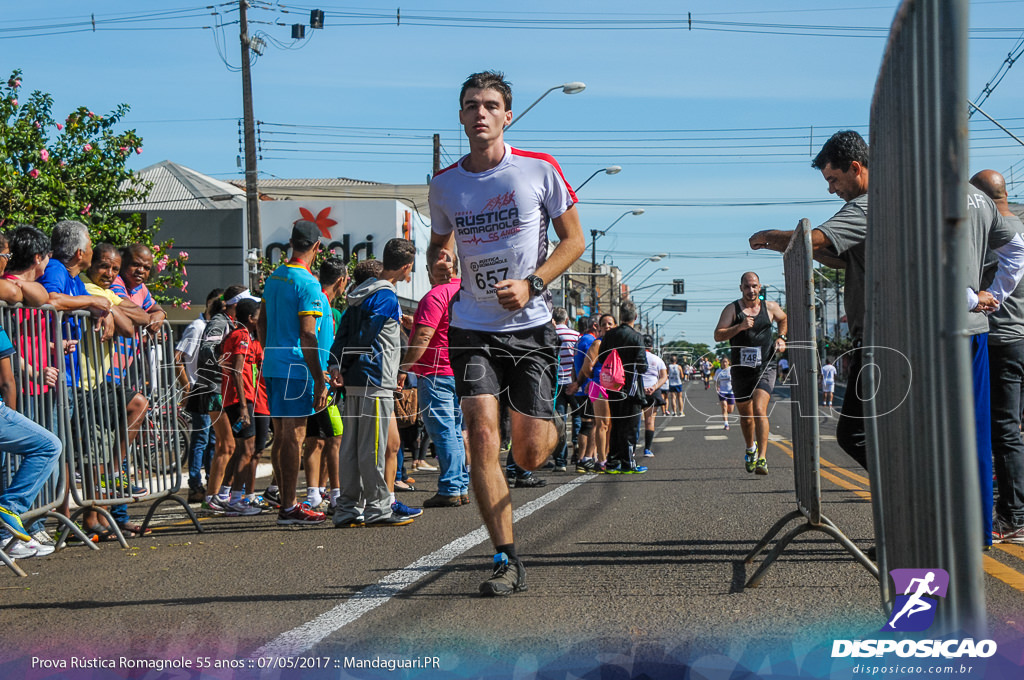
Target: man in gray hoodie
{"points": [[364, 359]]}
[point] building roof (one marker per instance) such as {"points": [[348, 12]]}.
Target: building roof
{"points": [[413, 195], [175, 187]]}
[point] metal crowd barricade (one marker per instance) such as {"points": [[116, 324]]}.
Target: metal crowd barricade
{"points": [[801, 350], [921, 446], [38, 373], [127, 437]]}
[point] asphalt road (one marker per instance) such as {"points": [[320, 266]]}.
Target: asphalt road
{"points": [[640, 573]]}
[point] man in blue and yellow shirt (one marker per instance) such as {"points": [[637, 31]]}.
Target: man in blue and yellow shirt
{"points": [[293, 369]]}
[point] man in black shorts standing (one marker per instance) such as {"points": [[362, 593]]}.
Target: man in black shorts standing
{"points": [[494, 205], [747, 325]]}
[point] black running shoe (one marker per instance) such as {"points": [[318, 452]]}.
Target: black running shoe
{"points": [[272, 498], [528, 482], [508, 578]]}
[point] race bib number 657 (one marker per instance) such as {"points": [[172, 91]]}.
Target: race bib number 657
{"points": [[485, 271]]}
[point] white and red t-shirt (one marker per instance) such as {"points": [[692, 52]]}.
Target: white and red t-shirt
{"points": [[500, 220], [566, 352]]}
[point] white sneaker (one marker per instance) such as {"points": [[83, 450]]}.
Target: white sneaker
{"points": [[426, 468], [41, 549], [44, 538], [15, 549]]}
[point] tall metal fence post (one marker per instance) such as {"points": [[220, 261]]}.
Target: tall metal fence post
{"points": [[921, 446]]}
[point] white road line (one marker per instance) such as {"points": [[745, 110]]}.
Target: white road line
{"points": [[714, 437], [775, 437], [308, 635], [827, 437], [662, 440], [675, 428]]}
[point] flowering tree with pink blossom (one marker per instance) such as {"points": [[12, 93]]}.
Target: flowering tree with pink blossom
{"points": [[75, 169]]}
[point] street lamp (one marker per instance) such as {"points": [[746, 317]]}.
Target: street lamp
{"points": [[655, 286], [594, 234], [610, 170], [567, 88], [653, 258], [640, 285]]}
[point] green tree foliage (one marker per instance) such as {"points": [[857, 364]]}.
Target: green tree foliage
{"points": [[693, 351], [74, 169]]}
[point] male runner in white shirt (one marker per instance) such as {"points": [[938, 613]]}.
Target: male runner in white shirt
{"points": [[494, 205]]}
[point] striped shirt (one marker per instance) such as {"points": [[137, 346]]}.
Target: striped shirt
{"points": [[566, 353]]}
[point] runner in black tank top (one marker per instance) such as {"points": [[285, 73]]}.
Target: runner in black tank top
{"points": [[758, 337], [747, 325]]}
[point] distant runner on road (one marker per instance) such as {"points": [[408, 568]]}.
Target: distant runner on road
{"points": [[828, 383], [747, 325]]}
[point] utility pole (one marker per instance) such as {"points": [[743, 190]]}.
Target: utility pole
{"points": [[593, 271], [437, 155], [252, 196], [838, 318]]}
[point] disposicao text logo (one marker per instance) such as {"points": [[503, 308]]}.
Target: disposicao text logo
{"points": [[914, 610]]}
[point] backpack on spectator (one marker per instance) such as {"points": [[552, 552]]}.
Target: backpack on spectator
{"points": [[208, 367], [613, 373]]}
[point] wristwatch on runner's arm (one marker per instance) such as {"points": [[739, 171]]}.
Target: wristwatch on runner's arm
{"points": [[537, 285]]}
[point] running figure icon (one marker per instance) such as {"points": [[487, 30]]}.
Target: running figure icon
{"points": [[916, 602]]}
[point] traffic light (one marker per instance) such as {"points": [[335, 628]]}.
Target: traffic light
{"points": [[678, 286], [760, 296]]}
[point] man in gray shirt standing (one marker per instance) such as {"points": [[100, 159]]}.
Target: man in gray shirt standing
{"points": [[1006, 377], [839, 243], [988, 237], [843, 162]]}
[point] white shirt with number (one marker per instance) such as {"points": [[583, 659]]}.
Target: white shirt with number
{"points": [[500, 219], [654, 368]]}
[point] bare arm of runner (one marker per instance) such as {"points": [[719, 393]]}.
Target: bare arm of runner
{"points": [[780, 318], [728, 326]]}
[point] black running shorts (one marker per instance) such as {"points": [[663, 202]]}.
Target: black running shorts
{"points": [[746, 380], [517, 367]]}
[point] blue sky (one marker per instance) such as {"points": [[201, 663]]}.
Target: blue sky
{"points": [[362, 97]]}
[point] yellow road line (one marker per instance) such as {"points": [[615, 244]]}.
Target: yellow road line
{"points": [[843, 471], [1007, 575], [993, 567], [163, 527], [838, 481], [1013, 549]]}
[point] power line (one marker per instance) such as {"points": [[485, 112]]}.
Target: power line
{"points": [[1001, 72]]}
